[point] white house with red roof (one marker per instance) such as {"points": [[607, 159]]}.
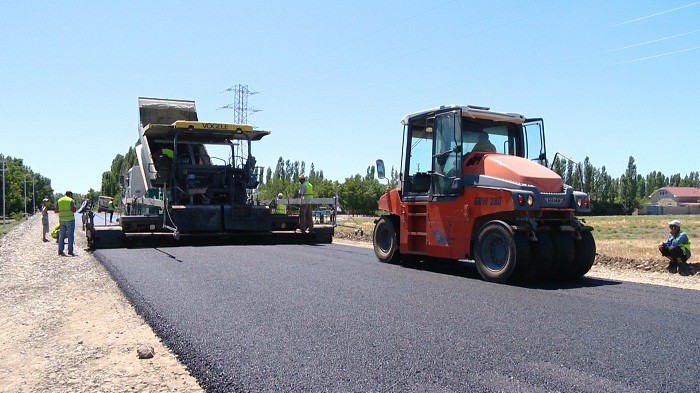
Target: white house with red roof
{"points": [[673, 200]]}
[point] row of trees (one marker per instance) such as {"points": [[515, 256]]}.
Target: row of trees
{"points": [[619, 195], [17, 175], [358, 194], [112, 180]]}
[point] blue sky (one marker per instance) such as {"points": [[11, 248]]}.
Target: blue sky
{"points": [[612, 79]]}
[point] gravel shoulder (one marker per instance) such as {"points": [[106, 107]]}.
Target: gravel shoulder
{"points": [[66, 326]]}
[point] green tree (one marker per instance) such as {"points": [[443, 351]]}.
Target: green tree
{"points": [[588, 177], [16, 173], [358, 195], [559, 166], [628, 187]]}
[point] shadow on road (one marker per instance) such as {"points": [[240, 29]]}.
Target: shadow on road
{"points": [[468, 270]]}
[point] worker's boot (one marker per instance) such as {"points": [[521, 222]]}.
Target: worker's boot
{"points": [[672, 265], [683, 269]]}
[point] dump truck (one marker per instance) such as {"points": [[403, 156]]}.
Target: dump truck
{"points": [[474, 185], [181, 192]]}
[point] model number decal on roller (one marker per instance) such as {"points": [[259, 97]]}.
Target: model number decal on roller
{"points": [[483, 201]]}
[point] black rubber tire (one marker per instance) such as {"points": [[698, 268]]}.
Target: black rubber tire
{"points": [[564, 254], [542, 258], [386, 241], [585, 254], [498, 252]]}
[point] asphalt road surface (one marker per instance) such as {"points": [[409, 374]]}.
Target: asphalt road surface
{"points": [[333, 318]]}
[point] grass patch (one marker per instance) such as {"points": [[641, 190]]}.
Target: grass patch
{"points": [[641, 227], [637, 237], [9, 224]]}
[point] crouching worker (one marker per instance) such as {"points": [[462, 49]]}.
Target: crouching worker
{"points": [[676, 249]]}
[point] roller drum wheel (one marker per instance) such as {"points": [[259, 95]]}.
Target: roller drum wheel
{"points": [[585, 254], [499, 253], [386, 241]]}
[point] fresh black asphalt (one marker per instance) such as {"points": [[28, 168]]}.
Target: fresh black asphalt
{"points": [[333, 318]]}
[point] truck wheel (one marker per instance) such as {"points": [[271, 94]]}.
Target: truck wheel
{"points": [[499, 252], [564, 253], [386, 242], [585, 254]]}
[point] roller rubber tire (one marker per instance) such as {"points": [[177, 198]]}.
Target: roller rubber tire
{"points": [[564, 254], [498, 252], [542, 258], [585, 254], [386, 242]]}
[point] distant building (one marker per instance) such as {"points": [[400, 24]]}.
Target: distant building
{"points": [[673, 200]]}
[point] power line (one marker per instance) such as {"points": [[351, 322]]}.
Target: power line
{"points": [[362, 37], [651, 16], [414, 46], [654, 56], [652, 41]]}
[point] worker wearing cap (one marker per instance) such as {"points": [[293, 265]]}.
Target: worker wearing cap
{"points": [[280, 208], [45, 219], [676, 248], [306, 192], [65, 207]]}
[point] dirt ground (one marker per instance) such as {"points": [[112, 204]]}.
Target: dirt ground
{"points": [[65, 325]]}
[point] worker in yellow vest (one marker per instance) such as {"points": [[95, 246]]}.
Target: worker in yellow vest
{"points": [[110, 208], [306, 192], [65, 207], [280, 208]]}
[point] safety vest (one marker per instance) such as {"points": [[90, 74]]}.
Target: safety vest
{"points": [[685, 248], [168, 153], [64, 211], [110, 205], [280, 208], [309, 190]]}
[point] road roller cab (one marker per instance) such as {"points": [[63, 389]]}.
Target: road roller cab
{"points": [[475, 185]]}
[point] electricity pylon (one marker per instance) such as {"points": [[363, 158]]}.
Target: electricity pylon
{"points": [[240, 107]]}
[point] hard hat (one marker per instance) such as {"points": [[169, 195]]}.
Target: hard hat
{"points": [[302, 177], [280, 195], [675, 222], [46, 199]]}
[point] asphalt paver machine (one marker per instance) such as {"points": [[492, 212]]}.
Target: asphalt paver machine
{"points": [[179, 193]]}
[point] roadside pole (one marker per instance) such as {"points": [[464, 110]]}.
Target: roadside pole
{"points": [[3, 193], [25, 198]]}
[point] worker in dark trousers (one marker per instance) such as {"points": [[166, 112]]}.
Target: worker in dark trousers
{"points": [[676, 248], [306, 192], [65, 207], [110, 208]]}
